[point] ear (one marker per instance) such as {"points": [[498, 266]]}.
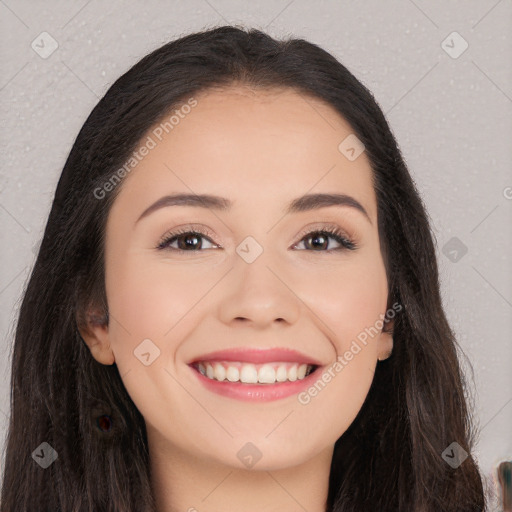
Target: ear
{"points": [[385, 343], [94, 332]]}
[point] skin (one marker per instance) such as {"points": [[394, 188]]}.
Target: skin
{"points": [[260, 149]]}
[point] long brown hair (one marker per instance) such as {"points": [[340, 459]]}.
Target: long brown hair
{"points": [[390, 457]]}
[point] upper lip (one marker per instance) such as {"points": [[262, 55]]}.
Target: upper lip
{"points": [[258, 356]]}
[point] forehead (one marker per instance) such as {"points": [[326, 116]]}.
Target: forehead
{"points": [[254, 146]]}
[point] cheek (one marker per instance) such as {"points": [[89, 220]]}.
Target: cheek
{"points": [[350, 300], [140, 305], [149, 297], [157, 301], [349, 303], [149, 304]]}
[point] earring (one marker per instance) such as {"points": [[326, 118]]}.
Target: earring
{"points": [[104, 423], [101, 415]]}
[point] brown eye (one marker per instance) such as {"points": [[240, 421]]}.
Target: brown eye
{"points": [[186, 241], [318, 240]]}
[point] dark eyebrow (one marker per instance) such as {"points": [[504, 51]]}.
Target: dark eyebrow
{"points": [[301, 204], [316, 201], [203, 201]]}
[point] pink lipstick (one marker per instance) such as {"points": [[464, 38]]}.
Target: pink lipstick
{"points": [[255, 374]]}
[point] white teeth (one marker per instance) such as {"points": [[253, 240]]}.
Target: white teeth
{"points": [[249, 374], [252, 374], [267, 375], [281, 374], [219, 372], [232, 374]]}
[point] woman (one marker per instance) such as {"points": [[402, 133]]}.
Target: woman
{"points": [[236, 303]]}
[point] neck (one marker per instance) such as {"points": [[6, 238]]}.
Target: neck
{"points": [[184, 482]]}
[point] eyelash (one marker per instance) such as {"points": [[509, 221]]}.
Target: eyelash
{"points": [[331, 232]]}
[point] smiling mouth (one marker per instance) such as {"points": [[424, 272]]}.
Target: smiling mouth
{"points": [[249, 373]]}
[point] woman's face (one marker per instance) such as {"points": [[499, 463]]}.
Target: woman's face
{"points": [[260, 276]]}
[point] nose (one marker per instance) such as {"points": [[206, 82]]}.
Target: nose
{"points": [[257, 294]]}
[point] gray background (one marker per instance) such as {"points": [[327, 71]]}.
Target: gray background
{"points": [[451, 115]]}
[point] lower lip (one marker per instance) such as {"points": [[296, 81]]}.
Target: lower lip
{"points": [[256, 392]]}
